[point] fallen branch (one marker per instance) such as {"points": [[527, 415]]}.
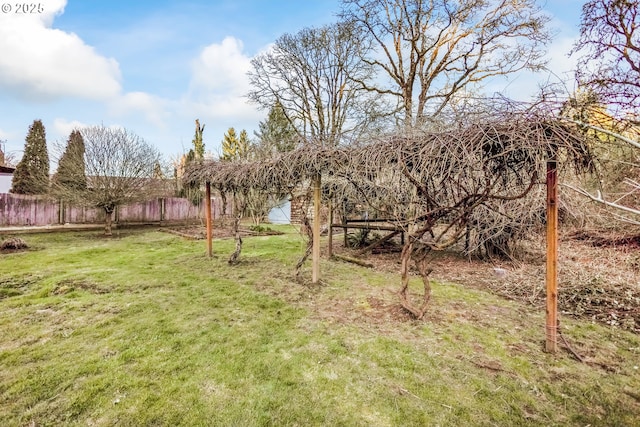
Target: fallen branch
{"points": [[378, 243], [605, 131], [598, 198], [353, 260]]}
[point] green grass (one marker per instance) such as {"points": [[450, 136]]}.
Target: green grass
{"points": [[143, 329]]}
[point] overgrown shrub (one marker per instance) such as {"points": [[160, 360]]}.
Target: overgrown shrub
{"points": [[13, 243]]}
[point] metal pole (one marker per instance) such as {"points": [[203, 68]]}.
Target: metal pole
{"points": [[552, 258]]}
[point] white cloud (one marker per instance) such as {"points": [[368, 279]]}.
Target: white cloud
{"points": [[560, 63], [63, 127], [218, 88], [40, 62], [151, 107], [222, 67]]}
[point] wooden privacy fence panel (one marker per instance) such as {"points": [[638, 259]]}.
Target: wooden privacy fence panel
{"points": [[16, 209], [80, 215], [21, 210], [140, 212]]}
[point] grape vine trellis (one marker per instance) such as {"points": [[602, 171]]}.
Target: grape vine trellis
{"points": [[436, 186]]}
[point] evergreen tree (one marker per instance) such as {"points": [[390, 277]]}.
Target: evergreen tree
{"points": [[243, 145], [276, 134], [230, 145], [191, 190], [198, 144], [235, 147], [32, 172], [71, 166]]}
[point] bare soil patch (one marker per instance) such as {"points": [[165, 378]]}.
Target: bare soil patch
{"points": [[599, 275]]}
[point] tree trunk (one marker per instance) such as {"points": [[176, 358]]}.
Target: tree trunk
{"points": [[306, 227], [233, 259], [409, 252], [108, 219], [223, 216], [238, 207]]}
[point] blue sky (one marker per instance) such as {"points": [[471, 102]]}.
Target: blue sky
{"points": [[155, 66]]}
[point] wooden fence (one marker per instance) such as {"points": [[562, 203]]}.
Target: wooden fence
{"points": [[20, 210]]}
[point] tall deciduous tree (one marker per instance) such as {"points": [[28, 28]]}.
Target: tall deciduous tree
{"points": [[71, 167], [610, 47], [32, 172], [427, 52], [609, 67], [120, 168], [309, 75], [6, 159]]}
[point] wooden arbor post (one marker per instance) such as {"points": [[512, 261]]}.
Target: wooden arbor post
{"points": [[315, 269], [330, 237], [209, 219], [551, 344]]}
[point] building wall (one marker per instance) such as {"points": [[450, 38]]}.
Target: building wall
{"points": [[5, 182], [281, 214]]}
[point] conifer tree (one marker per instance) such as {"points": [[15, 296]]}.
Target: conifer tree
{"points": [[198, 144], [230, 145], [235, 147], [32, 172], [71, 166], [276, 134], [243, 145]]}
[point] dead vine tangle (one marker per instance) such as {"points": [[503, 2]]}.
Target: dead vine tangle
{"points": [[439, 186]]}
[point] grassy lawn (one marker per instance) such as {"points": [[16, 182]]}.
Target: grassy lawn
{"points": [[143, 329]]}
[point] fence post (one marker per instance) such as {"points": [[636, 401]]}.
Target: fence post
{"points": [[315, 271], [552, 258], [208, 219], [330, 237], [60, 212], [344, 221]]}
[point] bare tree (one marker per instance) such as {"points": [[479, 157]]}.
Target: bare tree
{"points": [[6, 159], [610, 47], [120, 168], [430, 51], [615, 145], [309, 75]]}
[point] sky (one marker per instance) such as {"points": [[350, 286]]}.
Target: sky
{"points": [[154, 67]]}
